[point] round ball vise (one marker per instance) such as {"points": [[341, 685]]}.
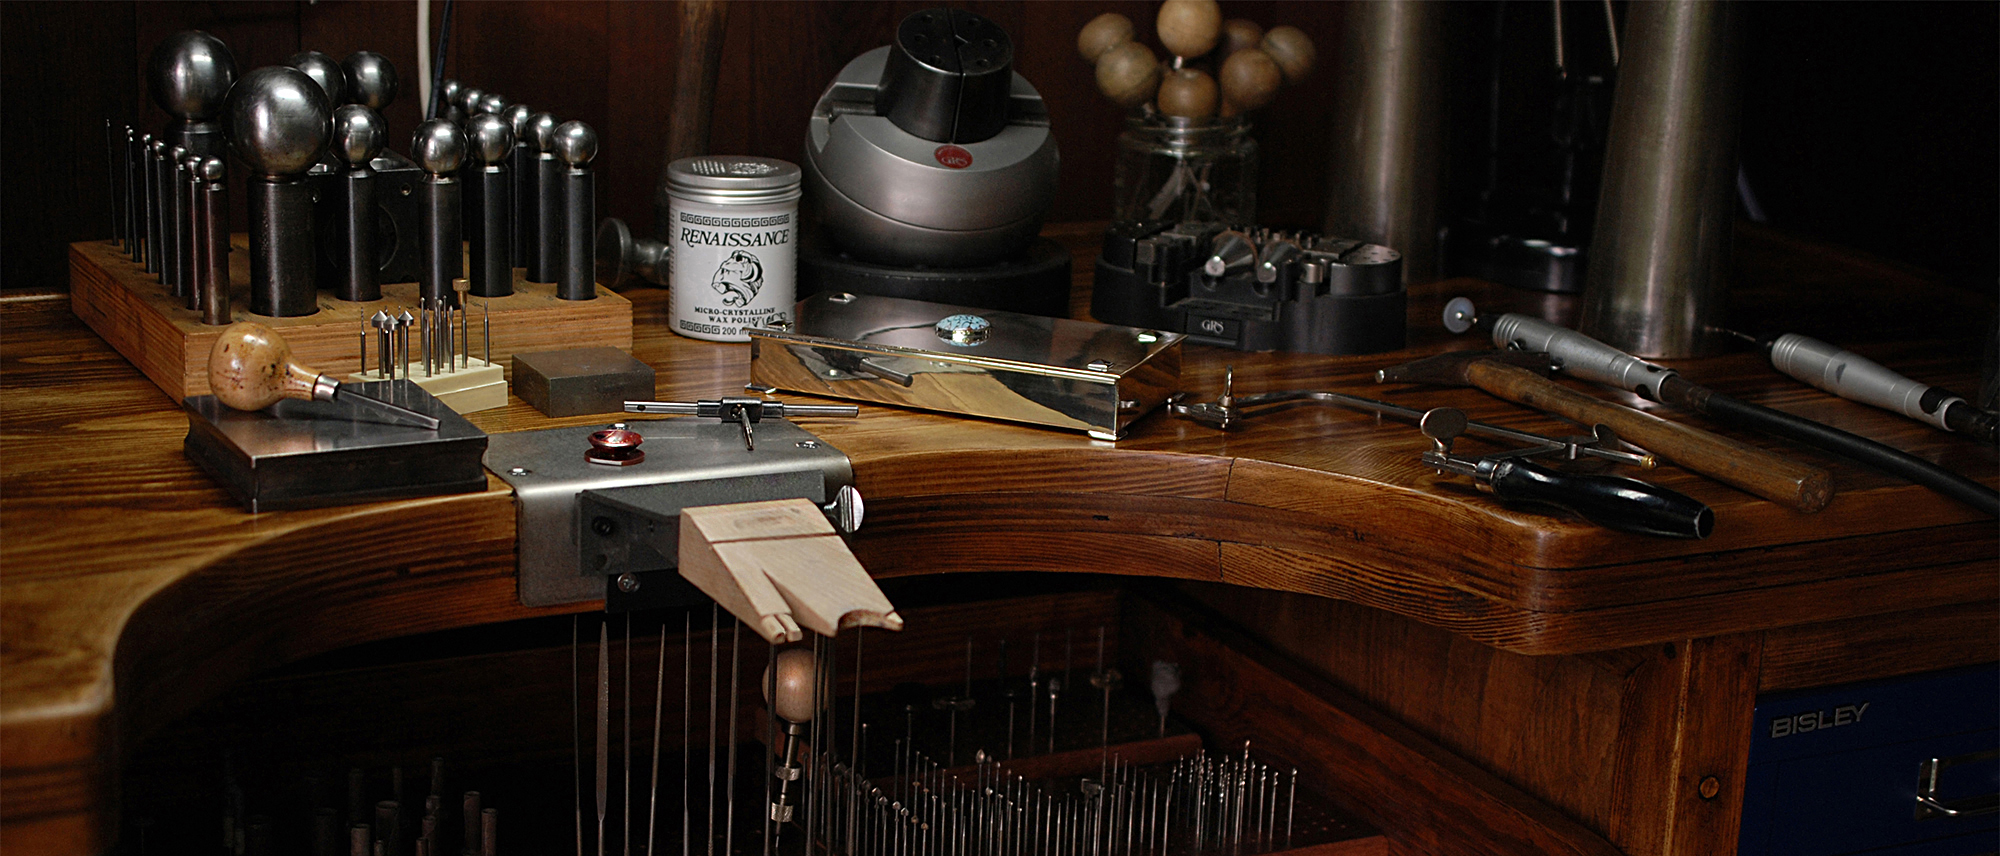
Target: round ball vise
{"points": [[279, 121], [324, 71], [371, 80], [932, 150], [190, 73]]}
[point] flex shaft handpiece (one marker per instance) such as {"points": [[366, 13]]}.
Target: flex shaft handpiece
{"points": [[1857, 378], [1595, 361]]}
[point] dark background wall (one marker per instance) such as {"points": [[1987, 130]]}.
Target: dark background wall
{"points": [[1872, 124]]}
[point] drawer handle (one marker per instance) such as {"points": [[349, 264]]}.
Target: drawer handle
{"points": [[1928, 804]]}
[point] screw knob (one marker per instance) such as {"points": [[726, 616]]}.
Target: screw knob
{"points": [[190, 73]]}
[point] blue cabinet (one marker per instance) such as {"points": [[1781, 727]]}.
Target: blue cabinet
{"points": [[1839, 770]]}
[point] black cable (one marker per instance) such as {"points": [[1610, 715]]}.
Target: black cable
{"points": [[1860, 449], [437, 62]]}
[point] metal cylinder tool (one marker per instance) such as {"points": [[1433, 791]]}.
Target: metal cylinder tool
{"points": [[213, 232], [279, 123], [544, 257], [358, 136], [576, 145], [1657, 260], [490, 189], [439, 148]]}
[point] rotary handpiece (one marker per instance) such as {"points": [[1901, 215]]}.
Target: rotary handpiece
{"points": [[1857, 378], [1595, 361]]}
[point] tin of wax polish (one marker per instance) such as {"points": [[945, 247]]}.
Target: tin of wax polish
{"points": [[734, 245]]}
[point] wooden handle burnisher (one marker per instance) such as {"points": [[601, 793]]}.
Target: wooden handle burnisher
{"points": [[1746, 468]]}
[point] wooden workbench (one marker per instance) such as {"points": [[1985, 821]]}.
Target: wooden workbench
{"points": [[1609, 675]]}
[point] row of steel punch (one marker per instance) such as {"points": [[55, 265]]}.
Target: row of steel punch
{"points": [[332, 208]]}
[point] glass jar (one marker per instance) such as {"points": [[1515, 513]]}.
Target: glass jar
{"points": [[1185, 170]]}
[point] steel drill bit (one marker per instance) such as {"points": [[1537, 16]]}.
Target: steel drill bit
{"points": [[729, 787], [576, 716], [603, 729], [659, 699], [714, 649], [626, 791]]}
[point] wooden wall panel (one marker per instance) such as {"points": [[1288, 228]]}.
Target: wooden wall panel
{"points": [[607, 62]]}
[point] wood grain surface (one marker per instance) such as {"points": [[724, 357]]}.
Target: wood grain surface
{"points": [[131, 587], [167, 341]]}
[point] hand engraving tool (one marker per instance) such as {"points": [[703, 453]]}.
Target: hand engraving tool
{"points": [[212, 237], [576, 144], [489, 192], [439, 148], [1034, 685], [544, 258], [324, 71], [358, 137], [955, 705], [1626, 505], [743, 410], [251, 367], [189, 74], [390, 835], [1595, 361]]}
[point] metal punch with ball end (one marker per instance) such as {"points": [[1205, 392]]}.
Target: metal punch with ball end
{"points": [[743, 410]]}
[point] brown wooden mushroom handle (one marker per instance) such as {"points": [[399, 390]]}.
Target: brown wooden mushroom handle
{"points": [[251, 367], [1744, 467]]}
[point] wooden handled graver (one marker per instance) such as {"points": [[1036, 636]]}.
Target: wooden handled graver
{"points": [[1744, 467]]}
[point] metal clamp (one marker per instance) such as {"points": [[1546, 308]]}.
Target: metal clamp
{"points": [[581, 525]]}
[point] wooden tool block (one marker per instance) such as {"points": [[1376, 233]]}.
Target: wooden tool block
{"points": [[475, 386], [144, 321], [778, 565]]}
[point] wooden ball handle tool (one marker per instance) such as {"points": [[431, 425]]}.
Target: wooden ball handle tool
{"points": [[251, 368], [1744, 467]]}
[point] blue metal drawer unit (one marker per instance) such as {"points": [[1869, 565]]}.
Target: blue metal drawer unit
{"points": [[1901, 767]]}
